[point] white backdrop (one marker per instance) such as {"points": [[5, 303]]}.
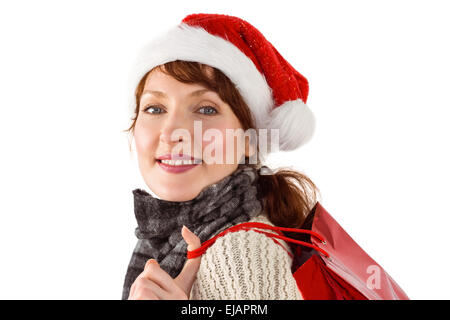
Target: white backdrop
{"points": [[379, 87]]}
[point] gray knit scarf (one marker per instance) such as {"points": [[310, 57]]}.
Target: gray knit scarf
{"points": [[232, 200]]}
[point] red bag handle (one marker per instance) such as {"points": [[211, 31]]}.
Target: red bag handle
{"points": [[248, 225]]}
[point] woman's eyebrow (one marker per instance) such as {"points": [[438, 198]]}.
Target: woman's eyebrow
{"points": [[162, 94]]}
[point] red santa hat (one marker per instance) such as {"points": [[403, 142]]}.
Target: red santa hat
{"points": [[275, 92]]}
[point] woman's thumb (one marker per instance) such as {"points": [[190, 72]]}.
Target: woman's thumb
{"points": [[191, 239], [189, 272]]}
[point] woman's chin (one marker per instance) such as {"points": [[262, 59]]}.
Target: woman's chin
{"points": [[178, 196], [180, 190]]}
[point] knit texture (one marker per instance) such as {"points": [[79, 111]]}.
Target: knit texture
{"points": [[246, 265], [232, 200]]}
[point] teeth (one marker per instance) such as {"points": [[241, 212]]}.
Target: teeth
{"points": [[178, 162]]}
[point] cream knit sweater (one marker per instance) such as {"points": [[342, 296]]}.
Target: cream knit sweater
{"points": [[246, 265]]}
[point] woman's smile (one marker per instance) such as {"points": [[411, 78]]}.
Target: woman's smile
{"points": [[177, 163], [177, 168]]}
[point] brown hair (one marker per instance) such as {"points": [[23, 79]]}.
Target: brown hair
{"points": [[289, 196]]}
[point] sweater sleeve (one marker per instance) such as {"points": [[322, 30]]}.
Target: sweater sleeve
{"points": [[245, 265]]}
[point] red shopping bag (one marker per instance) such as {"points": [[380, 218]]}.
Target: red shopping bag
{"points": [[329, 265]]}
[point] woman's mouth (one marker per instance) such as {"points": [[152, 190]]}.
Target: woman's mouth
{"points": [[177, 166]]}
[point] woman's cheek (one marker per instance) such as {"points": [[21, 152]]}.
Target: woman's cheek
{"points": [[144, 137]]}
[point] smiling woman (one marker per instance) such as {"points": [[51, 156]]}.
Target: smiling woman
{"points": [[164, 103], [170, 100], [175, 107], [180, 81]]}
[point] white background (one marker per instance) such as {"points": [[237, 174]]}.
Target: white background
{"points": [[379, 87]]}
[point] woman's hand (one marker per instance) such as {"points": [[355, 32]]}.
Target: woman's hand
{"points": [[156, 284]]}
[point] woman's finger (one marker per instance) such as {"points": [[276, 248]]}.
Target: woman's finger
{"points": [[145, 289], [132, 289], [160, 277], [186, 277], [133, 285]]}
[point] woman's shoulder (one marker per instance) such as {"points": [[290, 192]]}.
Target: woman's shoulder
{"points": [[251, 241], [263, 218], [246, 264]]}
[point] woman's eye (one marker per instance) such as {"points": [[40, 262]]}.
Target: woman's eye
{"points": [[209, 110], [150, 109]]}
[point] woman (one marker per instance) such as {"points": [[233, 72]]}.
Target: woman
{"points": [[209, 76]]}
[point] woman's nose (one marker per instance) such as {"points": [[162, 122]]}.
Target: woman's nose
{"points": [[175, 128]]}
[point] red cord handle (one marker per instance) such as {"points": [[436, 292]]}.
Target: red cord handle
{"points": [[248, 225]]}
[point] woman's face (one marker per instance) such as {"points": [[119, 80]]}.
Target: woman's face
{"points": [[177, 107]]}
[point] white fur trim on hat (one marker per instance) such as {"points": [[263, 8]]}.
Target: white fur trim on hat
{"points": [[189, 43]]}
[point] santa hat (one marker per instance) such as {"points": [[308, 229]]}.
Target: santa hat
{"points": [[275, 92]]}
